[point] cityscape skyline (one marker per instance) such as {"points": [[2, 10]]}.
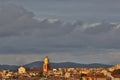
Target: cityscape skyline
{"points": [[46, 71], [78, 31]]}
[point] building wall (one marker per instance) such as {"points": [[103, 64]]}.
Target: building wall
{"points": [[21, 70]]}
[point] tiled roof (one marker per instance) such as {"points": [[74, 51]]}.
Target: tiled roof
{"points": [[35, 70], [116, 76], [96, 75]]}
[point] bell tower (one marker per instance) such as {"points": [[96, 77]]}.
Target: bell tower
{"points": [[46, 65]]}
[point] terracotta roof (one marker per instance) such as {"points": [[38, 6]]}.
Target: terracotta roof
{"points": [[35, 70], [116, 76], [96, 75]]}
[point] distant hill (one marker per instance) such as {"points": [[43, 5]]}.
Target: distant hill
{"points": [[9, 67], [38, 64]]}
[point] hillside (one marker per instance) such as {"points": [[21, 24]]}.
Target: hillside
{"points": [[38, 64]]}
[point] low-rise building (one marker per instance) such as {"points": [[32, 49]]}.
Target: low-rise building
{"points": [[21, 70], [35, 71], [116, 77], [67, 75], [95, 76]]}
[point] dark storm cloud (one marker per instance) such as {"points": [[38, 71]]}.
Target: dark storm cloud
{"points": [[87, 10], [101, 28], [14, 20], [22, 32]]}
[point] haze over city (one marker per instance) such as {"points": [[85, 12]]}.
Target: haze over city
{"points": [[81, 31]]}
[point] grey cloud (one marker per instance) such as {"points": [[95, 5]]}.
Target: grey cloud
{"points": [[109, 58], [15, 20], [23, 33], [101, 28]]}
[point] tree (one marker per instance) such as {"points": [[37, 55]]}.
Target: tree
{"points": [[116, 72], [40, 74], [82, 75]]}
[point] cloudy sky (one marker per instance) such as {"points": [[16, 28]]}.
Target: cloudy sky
{"points": [[82, 31]]}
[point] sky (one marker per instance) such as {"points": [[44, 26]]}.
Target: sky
{"points": [[81, 31]]}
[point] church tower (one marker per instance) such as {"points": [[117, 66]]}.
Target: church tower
{"points": [[46, 65]]}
